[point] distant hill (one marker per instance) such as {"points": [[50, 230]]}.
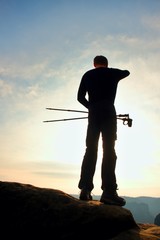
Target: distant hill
{"points": [[144, 209]]}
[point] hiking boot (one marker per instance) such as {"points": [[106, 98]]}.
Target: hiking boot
{"points": [[85, 195], [112, 198]]}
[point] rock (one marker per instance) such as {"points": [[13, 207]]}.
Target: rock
{"points": [[29, 211], [157, 220]]}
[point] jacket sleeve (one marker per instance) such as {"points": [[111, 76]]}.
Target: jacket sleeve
{"points": [[81, 95], [120, 74]]}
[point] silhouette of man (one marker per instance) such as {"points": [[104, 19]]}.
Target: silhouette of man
{"points": [[100, 84]]}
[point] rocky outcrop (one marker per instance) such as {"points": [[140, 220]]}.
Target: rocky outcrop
{"points": [[157, 220], [27, 211]]}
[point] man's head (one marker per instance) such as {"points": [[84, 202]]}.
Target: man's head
{"points": [[100, 61]]}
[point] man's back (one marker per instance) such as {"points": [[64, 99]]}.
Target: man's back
{"points": [[100, 84]]}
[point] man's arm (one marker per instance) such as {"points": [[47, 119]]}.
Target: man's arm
{"points": [[125, 73], [120, 74], [81, 96]]}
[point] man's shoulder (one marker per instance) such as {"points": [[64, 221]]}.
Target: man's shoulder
{"points": [[117, 70], [88, 73], [96, 70], [113, 69]]}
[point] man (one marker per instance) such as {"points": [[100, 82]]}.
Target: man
{"points": [[100, 84]]}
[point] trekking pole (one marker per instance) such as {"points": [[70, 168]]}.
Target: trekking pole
{"points": [[65, 119], [66, 110], [124, 117]]}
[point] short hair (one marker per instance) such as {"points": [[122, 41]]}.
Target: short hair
{"points": [[100, 60]]}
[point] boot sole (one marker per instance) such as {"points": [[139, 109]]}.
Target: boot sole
{"points": [[111, 202]]}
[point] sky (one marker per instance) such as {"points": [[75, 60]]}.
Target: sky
{"points": [[45, 48]]}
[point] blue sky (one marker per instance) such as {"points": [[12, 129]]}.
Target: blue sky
{"points": [[45, 47]]}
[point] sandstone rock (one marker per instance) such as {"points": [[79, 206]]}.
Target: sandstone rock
{"points": [[29, 211]]}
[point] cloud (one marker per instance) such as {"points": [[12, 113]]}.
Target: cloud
{"points": [[55, 174], [152, 22], [22, 70], [5, 89]]}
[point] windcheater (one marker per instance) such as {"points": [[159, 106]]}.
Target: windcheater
{"points": [[100, 84]]}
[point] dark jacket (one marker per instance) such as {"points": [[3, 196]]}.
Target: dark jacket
{"points": [[101, 85]]}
